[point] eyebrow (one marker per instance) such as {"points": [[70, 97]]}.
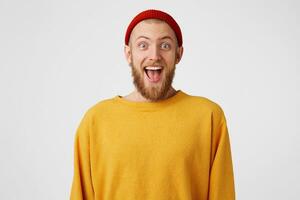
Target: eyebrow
{"points": [[162, 38], [142, 37], [166, 37]]}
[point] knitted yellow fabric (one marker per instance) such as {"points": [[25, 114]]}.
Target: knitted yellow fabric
{"points": [[174, 149]]}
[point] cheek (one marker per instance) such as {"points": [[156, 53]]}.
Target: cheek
{"points": [[170, 59], [137, 58]]}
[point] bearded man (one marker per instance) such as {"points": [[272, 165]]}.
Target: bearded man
{"points": [[156, 143]]}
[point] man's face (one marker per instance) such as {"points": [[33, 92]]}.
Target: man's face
{"points": [[152, 54]]}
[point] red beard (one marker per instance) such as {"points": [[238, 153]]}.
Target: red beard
{"points": [[153, 93]]}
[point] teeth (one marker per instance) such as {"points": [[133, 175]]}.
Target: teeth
{"points": [[153, 68]]}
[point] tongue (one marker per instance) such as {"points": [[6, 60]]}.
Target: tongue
{"points": [[153, 75]]}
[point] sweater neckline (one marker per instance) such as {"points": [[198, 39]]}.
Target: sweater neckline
{"points": [[151, 105]]}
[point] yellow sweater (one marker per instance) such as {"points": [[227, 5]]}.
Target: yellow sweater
{"points": [[175, 149]]}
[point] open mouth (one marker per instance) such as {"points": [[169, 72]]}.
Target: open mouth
{"points": [[153, 73]]}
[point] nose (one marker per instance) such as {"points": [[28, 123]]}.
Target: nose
{"points": [[154, 54]]}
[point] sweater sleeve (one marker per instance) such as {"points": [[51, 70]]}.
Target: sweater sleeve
{"points": [[82, 187], [221, 175]]}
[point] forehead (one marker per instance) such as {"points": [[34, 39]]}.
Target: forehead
{"points": [[152, 28]]}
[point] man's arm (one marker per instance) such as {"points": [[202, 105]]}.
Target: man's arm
{"points": [[221, 174], [82, 188]]}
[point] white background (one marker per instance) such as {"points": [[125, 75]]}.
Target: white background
{"points": [[59, 57]]}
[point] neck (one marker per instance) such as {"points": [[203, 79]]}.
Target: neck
{"points": [[136, 96]]}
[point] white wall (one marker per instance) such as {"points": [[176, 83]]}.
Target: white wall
{"points": [[59, 57]]}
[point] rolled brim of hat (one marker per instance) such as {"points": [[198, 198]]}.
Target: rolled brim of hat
{"points": [[154, 14]]}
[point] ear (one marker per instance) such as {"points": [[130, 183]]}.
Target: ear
{"points": [[179, 54], [128, 54]]}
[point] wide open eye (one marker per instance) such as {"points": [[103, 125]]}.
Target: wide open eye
{"points": [[142, 45], [165, 45]]}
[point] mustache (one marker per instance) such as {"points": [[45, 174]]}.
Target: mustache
{"points": [[154, 64]]}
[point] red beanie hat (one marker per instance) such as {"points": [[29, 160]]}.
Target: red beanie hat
{"points": [[154, 14]]}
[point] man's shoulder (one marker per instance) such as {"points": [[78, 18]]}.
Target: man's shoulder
{"points": [[205, 107], [100, 107], [204, 103]]}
